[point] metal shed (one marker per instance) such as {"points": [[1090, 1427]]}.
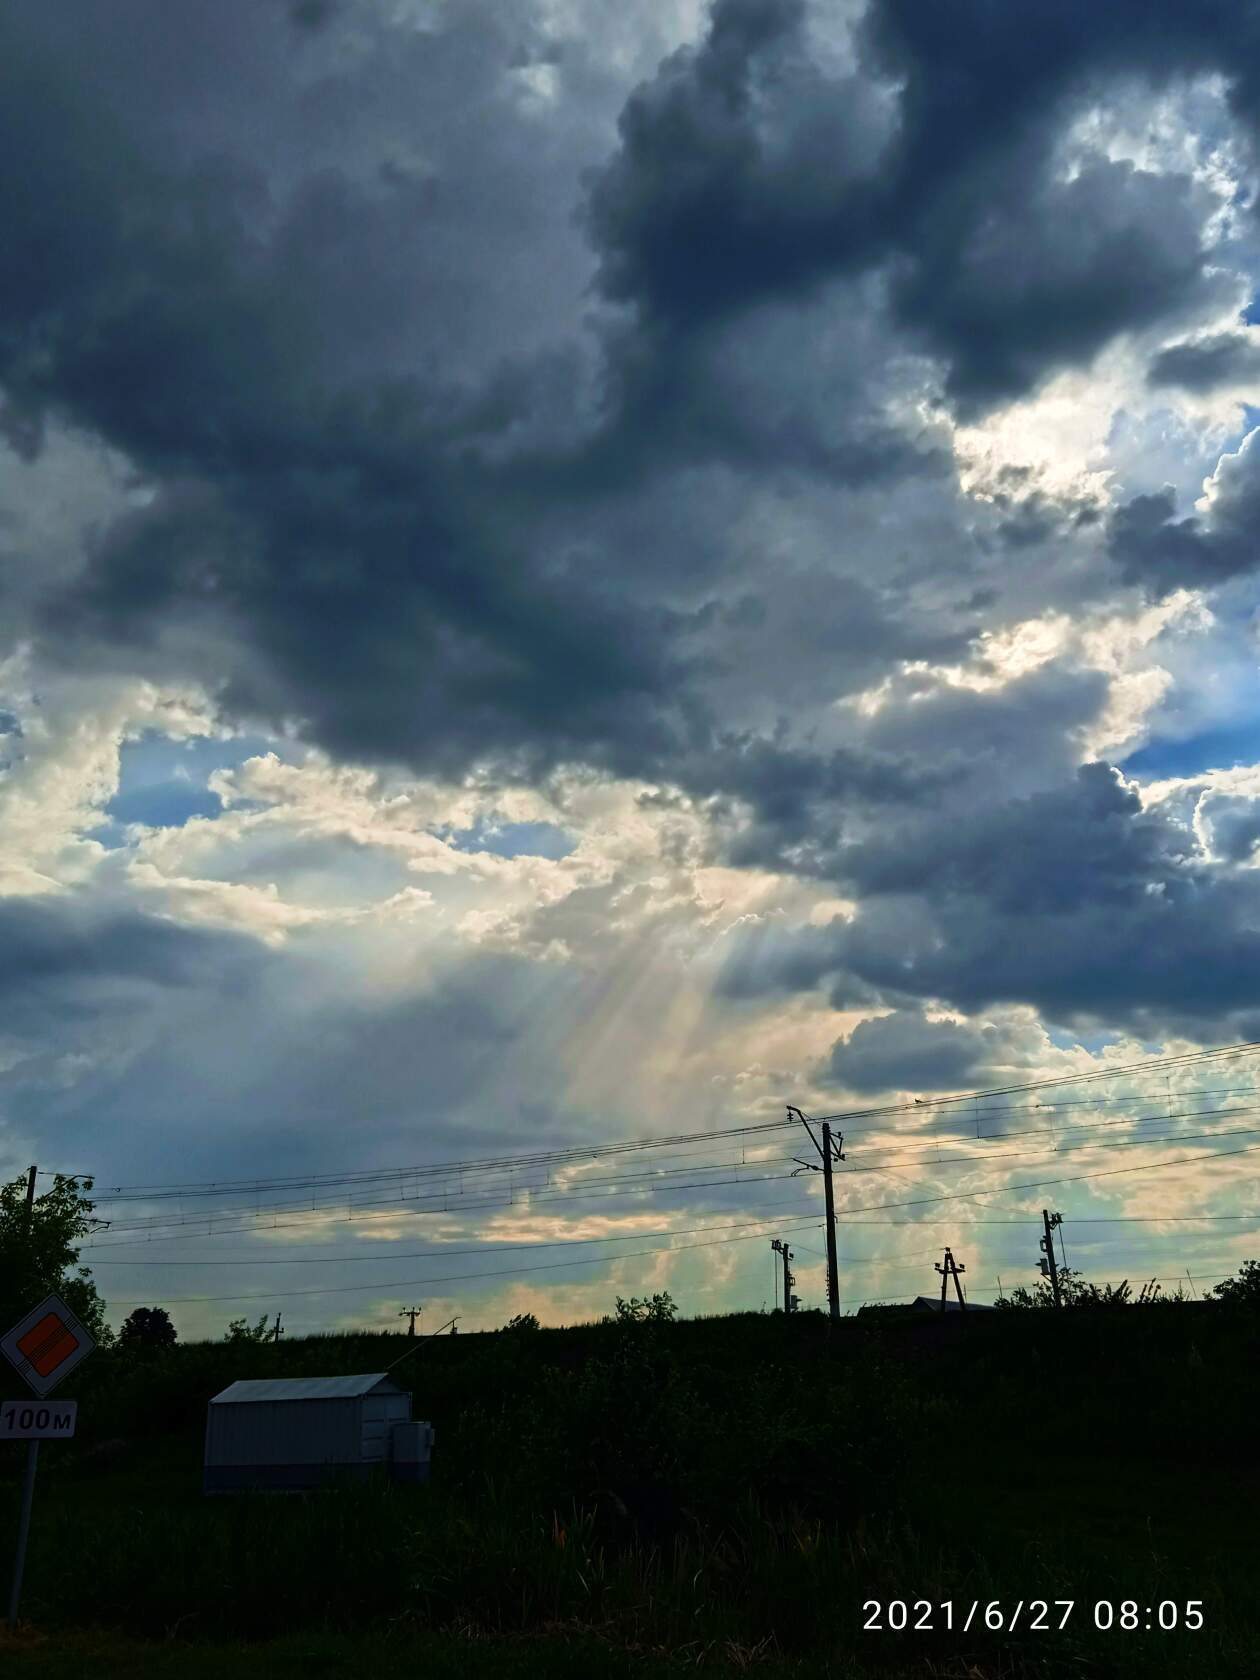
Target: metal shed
{"points": [[301, 1432]]}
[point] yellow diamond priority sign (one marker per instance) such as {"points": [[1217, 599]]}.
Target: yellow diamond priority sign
{"points": [[46, 1345]]}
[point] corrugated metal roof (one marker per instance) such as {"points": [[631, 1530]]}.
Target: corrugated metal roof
{"points": [[305, 1388], [929, 1303]]}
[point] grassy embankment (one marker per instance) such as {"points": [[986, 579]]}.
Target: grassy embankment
{"points": [[642, 1500]]}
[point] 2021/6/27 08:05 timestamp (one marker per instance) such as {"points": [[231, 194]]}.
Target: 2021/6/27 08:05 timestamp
{"points": [[1036, 1615]]}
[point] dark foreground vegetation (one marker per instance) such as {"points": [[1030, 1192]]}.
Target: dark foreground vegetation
{"points": [[643, 1498]]}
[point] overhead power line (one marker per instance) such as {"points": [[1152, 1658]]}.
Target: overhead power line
{"points": [[682, 1247], [460, 1277], [591, 1151], [392, 1206], [452, 1253], [524, 1163], [1161, 1064], [1249, 1219], [495, 1197]]}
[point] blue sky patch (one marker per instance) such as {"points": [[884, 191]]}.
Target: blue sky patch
{"points": [[1214, 749], [1093, 1042], [509, 840], [162, 782], [164, 804]]}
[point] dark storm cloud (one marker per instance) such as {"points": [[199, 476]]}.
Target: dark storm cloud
{"points": [[1234, 824], [369, 557], [370, 551], [1204, 364], [905, 1051], [342, 357], [1049, 854], [1032, 518], [65, 960], [869, 814], [741, 169], [1019, 737], [1153, 548], [768, 959], [1012, 268], [791, 807], [679, 396], [179, 1075], [329, 551], [1045, 279], [1077, 901], [386, 621], [745, 171], [1180, 962], [311, 14]]}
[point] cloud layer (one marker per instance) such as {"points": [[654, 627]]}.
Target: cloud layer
{"points": [[564, 565]]}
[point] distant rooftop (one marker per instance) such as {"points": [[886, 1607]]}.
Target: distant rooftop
{"points": [[305, 1388], [925, 1303]]}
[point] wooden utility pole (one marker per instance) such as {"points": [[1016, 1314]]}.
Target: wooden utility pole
{"points": [[276, 1331], [411, 1314], [950, 1268], [1048, 1267], [789, 1280], [829, 1149], [833, 1268], [32, 1451]]}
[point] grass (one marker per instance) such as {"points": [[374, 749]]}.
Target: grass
{"points": [[570, 1655], [711, 1496]]}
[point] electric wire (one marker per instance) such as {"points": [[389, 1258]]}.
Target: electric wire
{"points": [[494, 1197], [682, 1247], [586, 1152]]}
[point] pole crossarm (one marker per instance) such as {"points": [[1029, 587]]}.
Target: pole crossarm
{"points": [[830, 1149]]}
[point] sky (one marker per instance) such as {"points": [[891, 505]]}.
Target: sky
{"points": [[574, 572]]}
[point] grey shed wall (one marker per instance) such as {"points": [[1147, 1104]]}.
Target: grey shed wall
{"points": [[380, 1413], [299, 1442]]}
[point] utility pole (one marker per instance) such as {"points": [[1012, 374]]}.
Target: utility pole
{"points": [[950, 1268], [1048, 1267], [829, 1149], [32, 1453], [833, 1271], [789, 1278], [276, 1331], [411, 1314]]}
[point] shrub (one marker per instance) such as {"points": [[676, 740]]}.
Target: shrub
{"points": [[147, 1330]]}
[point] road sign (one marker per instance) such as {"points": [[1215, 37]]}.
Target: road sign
{"points": [[46, 1345], [43, 1347], [29, 1420]]}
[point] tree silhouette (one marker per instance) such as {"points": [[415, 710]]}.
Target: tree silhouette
{"points": [[523, 1322], [240, 1330], [147, 1330], [1243, 1290], [39, 1252], [1074, 1290], [648, 1309]]}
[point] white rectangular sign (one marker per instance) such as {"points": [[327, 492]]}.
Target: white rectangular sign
{"points": [[38, 1420], [46, 1345]]}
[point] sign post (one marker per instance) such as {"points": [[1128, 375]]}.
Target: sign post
{"points": [[24, 1529], [44, 1347]]}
